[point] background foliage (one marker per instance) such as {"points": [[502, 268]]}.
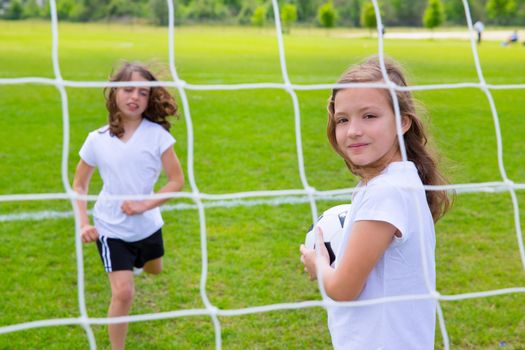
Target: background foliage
{"points": [[395, 12]]}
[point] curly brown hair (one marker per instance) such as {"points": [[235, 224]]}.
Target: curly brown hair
{"points": [[161, 104], [415, 138]]}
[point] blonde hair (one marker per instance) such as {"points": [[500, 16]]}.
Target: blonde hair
{"points": [[415, 138], [161, 103]]}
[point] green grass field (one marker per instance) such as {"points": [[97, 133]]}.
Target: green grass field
{"points": [[245, 141]]}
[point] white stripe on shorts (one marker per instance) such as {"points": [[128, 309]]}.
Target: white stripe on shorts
{"points": [[106, 257]]}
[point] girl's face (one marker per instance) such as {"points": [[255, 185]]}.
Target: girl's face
{"points": [[132, 101], [366, 129]]}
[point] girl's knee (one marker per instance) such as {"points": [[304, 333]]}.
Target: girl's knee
{"points": [[123, 293]]}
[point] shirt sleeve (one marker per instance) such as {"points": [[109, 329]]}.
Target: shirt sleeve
{"points": [[385, 203], [166, 141], [87, 152]]}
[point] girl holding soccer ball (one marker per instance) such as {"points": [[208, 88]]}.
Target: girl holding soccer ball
{"points": [[390, 221], [129, 153]]}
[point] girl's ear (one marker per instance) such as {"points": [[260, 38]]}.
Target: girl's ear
{"points": [[406, 123]]}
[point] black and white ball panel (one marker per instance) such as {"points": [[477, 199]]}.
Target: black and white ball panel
{"points": [[331, 222]]}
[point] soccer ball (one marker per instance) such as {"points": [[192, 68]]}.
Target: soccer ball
{"points": [[331, 222]]}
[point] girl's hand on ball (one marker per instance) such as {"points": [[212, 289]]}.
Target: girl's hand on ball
{"points": [[309, 256], [308, 260], [319, 244]]}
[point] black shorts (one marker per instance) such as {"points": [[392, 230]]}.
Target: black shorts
{"points": [[118, 255]]}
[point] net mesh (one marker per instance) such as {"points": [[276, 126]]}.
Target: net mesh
{"points": [[306, 194]]}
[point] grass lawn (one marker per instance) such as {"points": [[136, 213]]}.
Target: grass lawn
{"points": [[245, 141]]}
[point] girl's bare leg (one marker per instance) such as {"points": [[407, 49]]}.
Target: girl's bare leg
{"points": [[122, 291]]}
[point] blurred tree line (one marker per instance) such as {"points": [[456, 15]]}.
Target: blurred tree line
{"points": [[328, 13]]}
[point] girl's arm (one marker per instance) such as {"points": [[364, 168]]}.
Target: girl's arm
{"points": [[83, 174], [366, 245], [173, 171]]}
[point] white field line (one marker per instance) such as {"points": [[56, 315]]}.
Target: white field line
{"points": [[491, 35], [51, 214]]}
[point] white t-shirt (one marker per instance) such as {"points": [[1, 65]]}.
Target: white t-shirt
{"points": [[126, 168], [479, 27], [400, 325]]}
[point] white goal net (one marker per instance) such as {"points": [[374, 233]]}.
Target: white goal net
{"points": [[306, 194]]}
